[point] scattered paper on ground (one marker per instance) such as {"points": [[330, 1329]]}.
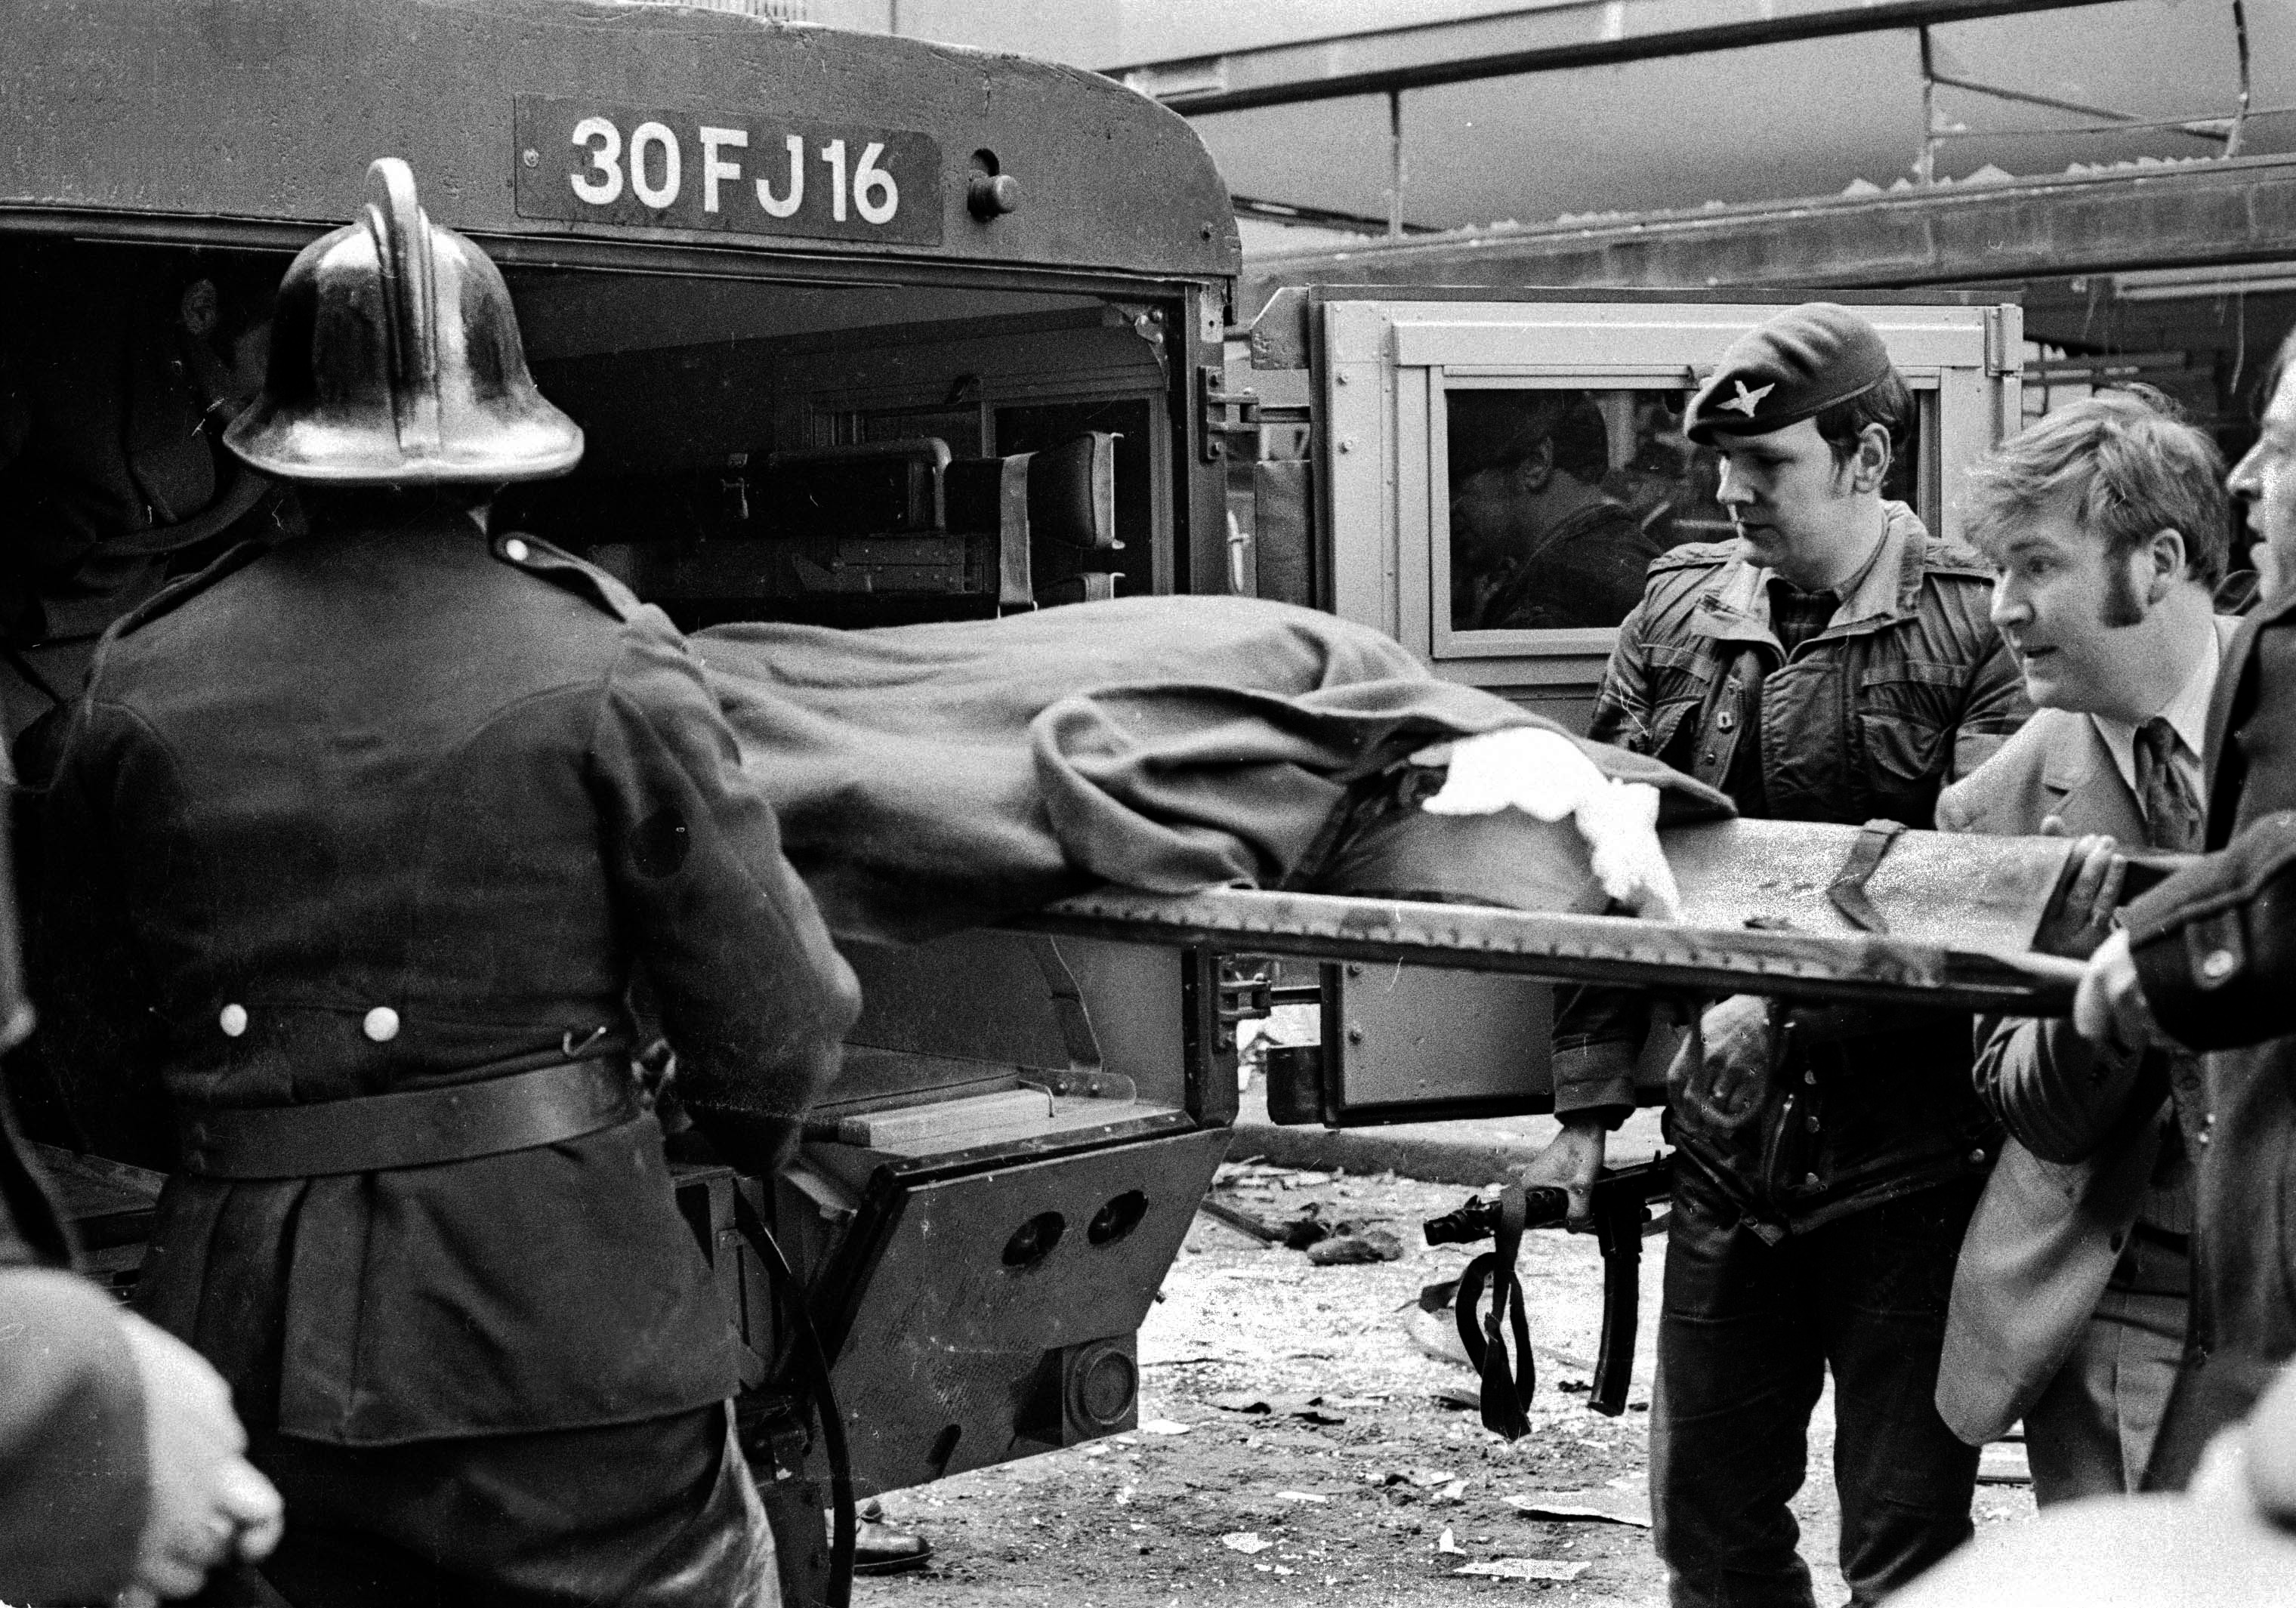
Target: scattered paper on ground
{"points": [[1629, 1506], [1139, 1525], [1245, 1541], [1163, 1426], [1523, 1568], [1314, 1409]]}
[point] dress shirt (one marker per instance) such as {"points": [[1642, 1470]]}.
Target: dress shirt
{"points": [[2188, 714]]}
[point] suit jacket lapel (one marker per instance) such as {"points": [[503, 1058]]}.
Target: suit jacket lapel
{"points": [[2237, 639], [2085, 788]]}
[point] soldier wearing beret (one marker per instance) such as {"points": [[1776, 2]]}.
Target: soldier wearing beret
{"points": [[1835, 662], [360, 839]]}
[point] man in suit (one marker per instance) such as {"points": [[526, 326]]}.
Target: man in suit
{"points": [[2107, 520], [2204, 961]]}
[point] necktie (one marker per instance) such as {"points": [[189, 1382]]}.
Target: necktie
{"points": [[2172, 814]]}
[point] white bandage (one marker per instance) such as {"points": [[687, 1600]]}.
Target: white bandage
{"points": [[1545, 775]]}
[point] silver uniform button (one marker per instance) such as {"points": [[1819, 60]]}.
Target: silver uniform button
{"points": [[232, 1020], [516, 551], [383, 1024], [2217, 964]]}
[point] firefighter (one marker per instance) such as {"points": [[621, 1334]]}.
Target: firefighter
{"points": [[361, 839]]}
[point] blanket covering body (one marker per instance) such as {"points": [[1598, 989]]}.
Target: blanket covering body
{"points": [[937, 777]]}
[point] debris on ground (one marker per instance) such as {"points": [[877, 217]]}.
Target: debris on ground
{"points": [[1314, 1409], [1449, 1543], [1164, 1426], [1243, 1222], [1523, 1568], [1426, 1478], [1137, 1519], [1630, 1505], [1245, 1541], [1307, 1230], [1365, 1245], [1329, 1241]]}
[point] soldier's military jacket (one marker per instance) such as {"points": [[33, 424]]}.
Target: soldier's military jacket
{"points": [[1908, 688], [388, 808]]}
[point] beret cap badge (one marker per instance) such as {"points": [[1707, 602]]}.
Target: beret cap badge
{"points": [[1793, 366]]}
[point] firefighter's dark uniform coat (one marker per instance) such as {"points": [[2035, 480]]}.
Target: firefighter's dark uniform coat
{"points": [[386, 809]]}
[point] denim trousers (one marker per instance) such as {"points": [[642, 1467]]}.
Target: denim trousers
{"points": [[1750, 1325]]}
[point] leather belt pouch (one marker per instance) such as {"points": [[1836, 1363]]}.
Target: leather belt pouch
{"points": [[418, 1127]]}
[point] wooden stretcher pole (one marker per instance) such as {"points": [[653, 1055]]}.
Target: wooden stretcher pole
{"points": [[1874, 969]]}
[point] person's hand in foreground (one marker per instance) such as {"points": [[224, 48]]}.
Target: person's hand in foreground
{"points": [[2079, 924], [2109, 1008], [209, 1505]]}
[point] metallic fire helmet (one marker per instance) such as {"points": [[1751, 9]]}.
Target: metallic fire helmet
{"points": [[396, 360]]}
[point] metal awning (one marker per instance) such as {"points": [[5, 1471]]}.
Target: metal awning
{"points": [[2158, 215], [1542, 38]]}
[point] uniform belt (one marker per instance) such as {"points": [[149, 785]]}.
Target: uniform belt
{"points": [[417, 1127]]}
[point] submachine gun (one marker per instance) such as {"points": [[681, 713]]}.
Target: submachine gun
{"points": [[1620, 1206]]}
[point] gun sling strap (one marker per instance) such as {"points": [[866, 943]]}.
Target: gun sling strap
{"points": [[414, 1127], [1506, 1396]]}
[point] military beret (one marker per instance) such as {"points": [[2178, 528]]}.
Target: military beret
{"points": [[1492, 429], [1792, 368]]}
